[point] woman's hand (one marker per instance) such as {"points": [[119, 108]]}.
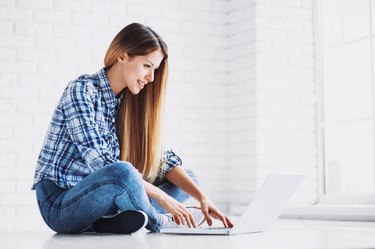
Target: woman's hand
{"points": [[209, 210], [180, 214]]}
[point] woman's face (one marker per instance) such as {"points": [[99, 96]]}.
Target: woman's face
{"points": [[138, 71]]}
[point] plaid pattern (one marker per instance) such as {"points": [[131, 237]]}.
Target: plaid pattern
{"points": [[82, 137], [168, 161]]}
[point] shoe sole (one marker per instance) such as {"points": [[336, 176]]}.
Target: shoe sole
{"points": [[126, 222]]}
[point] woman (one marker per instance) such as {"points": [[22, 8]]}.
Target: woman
{"points": [[100, 168]]}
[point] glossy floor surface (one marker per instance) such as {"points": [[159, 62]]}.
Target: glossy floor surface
{"points": [[283, 234]]}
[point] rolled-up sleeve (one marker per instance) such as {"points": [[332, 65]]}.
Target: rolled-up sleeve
{"points": [[168, 162]]}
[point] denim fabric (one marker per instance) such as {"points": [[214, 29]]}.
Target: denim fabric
{"points": [[118, 186]]}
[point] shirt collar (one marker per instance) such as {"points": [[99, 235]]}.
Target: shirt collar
{"points": [[109, 97]]}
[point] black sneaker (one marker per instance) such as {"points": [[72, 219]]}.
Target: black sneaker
{"points": [[126, 222]]}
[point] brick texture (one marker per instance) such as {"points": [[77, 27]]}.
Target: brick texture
{"points": [[240, 100]]}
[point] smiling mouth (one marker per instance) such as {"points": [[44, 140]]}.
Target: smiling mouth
{"points": [[141, 84]]}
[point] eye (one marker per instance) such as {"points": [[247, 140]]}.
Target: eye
{"points": [[147, 66]]}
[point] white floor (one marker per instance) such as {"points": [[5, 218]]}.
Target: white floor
{"points": [[284, 234]]}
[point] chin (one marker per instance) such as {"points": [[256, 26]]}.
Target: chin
{"points": [[135, 91]]}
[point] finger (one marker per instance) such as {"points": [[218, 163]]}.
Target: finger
{"points": [[181, 216], [191, 219], [188, 219], [182, 219], [179, 219], [207, 216], [206, 213], [230, 224], [214, 216], [176, 219], [224, 220], [220, 216], [184, 215]]}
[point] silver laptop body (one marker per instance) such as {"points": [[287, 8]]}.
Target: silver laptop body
{"points": [[261, 213]]}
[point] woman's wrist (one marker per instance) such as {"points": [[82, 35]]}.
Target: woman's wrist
{"points": [[202, 197], [154, 193], [160, 198]]}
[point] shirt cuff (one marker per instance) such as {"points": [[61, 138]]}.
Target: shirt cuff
{"points": [[168, 162]]}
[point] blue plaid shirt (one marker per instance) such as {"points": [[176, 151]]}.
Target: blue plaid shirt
{"points": [[82, 137]]}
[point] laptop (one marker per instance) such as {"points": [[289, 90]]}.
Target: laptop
{"points": [[260, 214]]}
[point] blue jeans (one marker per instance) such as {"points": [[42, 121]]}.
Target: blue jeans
{"points": [[117, 186]]}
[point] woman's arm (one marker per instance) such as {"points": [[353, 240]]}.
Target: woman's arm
{"points": [[181, 179], [79, 113], [179, 212], [178, 176]]}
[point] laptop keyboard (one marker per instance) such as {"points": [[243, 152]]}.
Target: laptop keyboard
{"points": [[215, 228]]}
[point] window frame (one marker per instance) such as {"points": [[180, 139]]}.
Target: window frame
{"points": [[324, 198]]}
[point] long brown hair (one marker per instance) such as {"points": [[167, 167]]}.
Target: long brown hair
{"points": [[139, 116]]}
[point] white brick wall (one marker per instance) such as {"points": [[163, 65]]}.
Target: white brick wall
{"points": [[196, 116], [240, 97], [242, 102], [44, 44], [272, 103]]}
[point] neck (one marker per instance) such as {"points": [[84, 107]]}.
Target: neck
{"points": [[114, 80]]}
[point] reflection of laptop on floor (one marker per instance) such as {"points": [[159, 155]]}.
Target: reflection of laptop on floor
{"points": [[263, 210]]}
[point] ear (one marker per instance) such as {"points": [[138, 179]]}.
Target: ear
{"points": [[123, 57]]}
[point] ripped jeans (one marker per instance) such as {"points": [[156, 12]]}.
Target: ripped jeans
{"points": [[118, 186]]}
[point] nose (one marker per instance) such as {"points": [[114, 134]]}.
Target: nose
{"points": [[150, 76]]}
